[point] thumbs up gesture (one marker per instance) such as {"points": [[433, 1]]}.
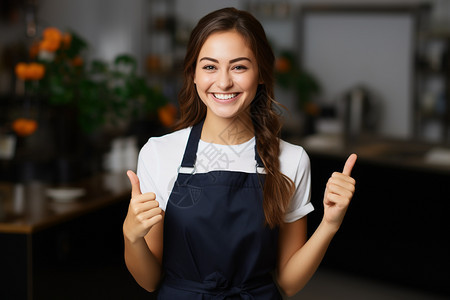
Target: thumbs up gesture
{"points": [[143, 211], [338, 193]]}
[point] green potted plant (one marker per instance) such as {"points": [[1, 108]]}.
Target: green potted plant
{"points": [[83, 99], [290, 76], [98, 92]]}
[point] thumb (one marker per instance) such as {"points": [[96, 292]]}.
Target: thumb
{"points": [[135, 186], [349, 164]]}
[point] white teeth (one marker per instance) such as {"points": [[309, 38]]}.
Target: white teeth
{"points": [[225, 96]]}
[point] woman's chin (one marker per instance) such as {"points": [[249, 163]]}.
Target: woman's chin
{"points": [[226, 113]]}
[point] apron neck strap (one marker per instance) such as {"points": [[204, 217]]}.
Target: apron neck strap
{"points": [[259, 162], [190, 154]]}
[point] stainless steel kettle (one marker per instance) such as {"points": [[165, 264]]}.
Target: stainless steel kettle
{"points": [[360, 112]]}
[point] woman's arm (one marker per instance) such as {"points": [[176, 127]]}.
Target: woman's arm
{"points": [[143, 236], [298, 258]]}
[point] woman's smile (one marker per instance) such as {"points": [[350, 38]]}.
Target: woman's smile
{"points": [[225, 97]]}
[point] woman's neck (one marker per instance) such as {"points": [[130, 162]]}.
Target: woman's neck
{"points": [[227, 131]]}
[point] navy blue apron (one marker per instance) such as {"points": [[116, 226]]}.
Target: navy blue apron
{"points": [[216, 244]]}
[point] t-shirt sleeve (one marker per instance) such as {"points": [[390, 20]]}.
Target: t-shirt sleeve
{"points": [[300, 204], [147, 171], [158, 163]]}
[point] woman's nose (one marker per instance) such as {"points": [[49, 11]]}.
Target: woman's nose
{"points": [[224, 81]]}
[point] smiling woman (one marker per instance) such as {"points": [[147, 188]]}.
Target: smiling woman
{"points": [[221, 203]]}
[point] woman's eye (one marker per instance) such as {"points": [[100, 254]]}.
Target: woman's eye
{"points": [[209, 68], [240, 68]]}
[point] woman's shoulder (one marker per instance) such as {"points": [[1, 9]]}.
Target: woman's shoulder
{"points": [[287, 148], [172, 139], [292, 157], [166, 144]]}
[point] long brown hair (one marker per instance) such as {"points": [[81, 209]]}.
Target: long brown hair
{"points": [[278, 188]]}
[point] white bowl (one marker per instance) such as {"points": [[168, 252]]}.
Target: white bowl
{"points": [[65, 194]]}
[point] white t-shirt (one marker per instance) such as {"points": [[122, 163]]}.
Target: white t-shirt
{"points": [[160, 158]]}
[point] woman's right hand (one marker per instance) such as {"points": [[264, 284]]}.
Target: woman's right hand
{"points": [[143, 212]]}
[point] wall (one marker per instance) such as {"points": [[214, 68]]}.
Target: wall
{"points": [[283, 32], [117, 26], [389, 78], [111, 27]]}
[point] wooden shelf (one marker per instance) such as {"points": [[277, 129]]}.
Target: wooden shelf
{"points": [[40, 212]]}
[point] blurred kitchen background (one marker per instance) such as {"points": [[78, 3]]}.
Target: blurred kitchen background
{"points": [[84, 84]]}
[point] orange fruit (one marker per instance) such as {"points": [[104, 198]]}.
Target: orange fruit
{"points": [[24, 127], [52, 33], [167, 114], [35, 71], [52, 38], [21, 70], [50, 45], [282, 65], [77, 61]]}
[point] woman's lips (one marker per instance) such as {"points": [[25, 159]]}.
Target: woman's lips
{"points": [[225, 97]]}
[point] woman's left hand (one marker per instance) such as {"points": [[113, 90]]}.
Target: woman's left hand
{"points": [[338, 193]]}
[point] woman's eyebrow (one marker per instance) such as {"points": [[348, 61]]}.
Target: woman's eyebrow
{"points": [[231, 61], [239, 59]]}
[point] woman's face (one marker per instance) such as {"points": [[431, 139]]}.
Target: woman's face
{"points": [[226, 75]]}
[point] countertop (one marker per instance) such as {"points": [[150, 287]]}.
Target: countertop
{"points": [[27, 208], [391, 152]]}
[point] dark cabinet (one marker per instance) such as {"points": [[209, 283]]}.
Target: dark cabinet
{"points": [[396, 228]]}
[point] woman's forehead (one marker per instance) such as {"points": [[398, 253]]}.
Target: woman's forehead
{"points": [[226, 45]]}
